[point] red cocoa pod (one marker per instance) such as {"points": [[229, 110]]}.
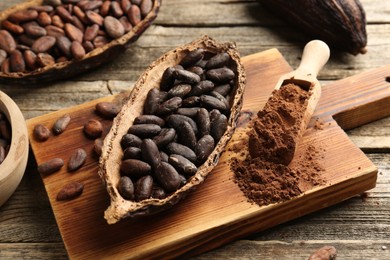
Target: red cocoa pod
{"points": [[93, 128], [50, 166], [77, 50], [116, 9], [12, 27], [43, 44], [77, 159], [7, 42], [113, 27], [44, 59], [21, 16], [94, 17], [134, 15], [44, 19], [146, 6], [54, 31], [70, 191], [74, 33], [64, 14], [41, 132], [91, 32], [16, 62]]}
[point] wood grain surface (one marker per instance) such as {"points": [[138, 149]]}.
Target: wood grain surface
{"points": [[358, 227]]}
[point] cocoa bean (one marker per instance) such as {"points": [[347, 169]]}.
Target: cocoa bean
{"points": [[3, 56], [135, 168], [134, 15], [166, 136], [42, 8], [50, 166], [2, 154], [220, 75], [94, 17], [202, 87], [70, 191], [197, 70], [93, 128], [218, 127], [88, 46], [169, 106], [116, 9], [220, 98], [105, 8], [44, 59], [73, 32], [43, 44], [16, 61], [145, 7], [186, 76], [100, 41], [150, 153], [149, 119], [164, 156], [22, 16], [145, 130], [143, 188], [182, 165], [191, 101], [63, 43], [158, 193], [113, 27], [107, 110], [76, 22], [98, 145], [125, 23], [57, 21], [176, 148], [167, 79], [204, 147], [180, 90], [188, 111], [54, 31], [53, 2], [203, 121], [223, 89], [7, 42], [130, 140], [214, 114], [192, 57], [91, 32], [90, 5], [77, 50], [5, 66], [44, 19], [136, 2], [80, 14], [77, 159], [41, 132], [167, 176], [217, 61], [64, 14], [125, 5], [210, 103], [175, 121], [132, 153], [152, 101], [12, 27], [61, 124], [126, 188], [186, 135]]}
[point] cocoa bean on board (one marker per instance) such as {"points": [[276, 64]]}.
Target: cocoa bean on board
{"points": [[41, 132], [70, 191], [50, 166], [77, 159], [61, 124]]}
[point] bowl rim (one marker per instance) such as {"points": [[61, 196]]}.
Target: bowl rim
{"points": [[19, 141]]}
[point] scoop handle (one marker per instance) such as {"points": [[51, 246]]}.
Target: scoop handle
{"points": [[315, 54]]}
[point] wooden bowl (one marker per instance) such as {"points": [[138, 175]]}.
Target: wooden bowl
{"points": [[14, 165]]}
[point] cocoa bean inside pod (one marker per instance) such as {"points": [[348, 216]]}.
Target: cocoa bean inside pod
{"points": [[58, 29], [156, 139]]}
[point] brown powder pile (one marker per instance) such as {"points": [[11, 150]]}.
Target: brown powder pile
{"points": [[263, 175]]}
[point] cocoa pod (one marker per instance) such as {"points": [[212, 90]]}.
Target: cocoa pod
{"points": [[342, 24]]}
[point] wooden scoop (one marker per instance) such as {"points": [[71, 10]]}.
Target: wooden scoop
{"points": [[274, 142]]}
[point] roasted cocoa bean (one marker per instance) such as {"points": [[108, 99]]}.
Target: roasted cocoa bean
{"points": [[220, 98], [77, 159], [150, 153], [74, 33], [169, 106], [130, 140], [188, 111], [186, 76], [70, 191], [167, 79], [218, 127], [93, 128], [204, 147], [182, 165], [134, 15], [143, 188], [53, 2], [152, 101], [16, 61], [43, 44], [44, 59], [202, 87], [113, 27], [220, 75], [88, 46], [126, 188], [145, 130], [98, 145], [34, 30], [164, 156], [175, 121], [50, 166], [186, 135], [158, 193], [217, 61], [132, 153], [77, 50], [176, 148], [22, 16], [61, 124], [203, 121], [179, 90], [41, 133], [135, 168], [125, 5], [149, 119], [7, 42], [211, 102], [193, 101], [197, 70], [166, 136], [223, 89], [192, 57], [107, 110], [167, 176], [76, 22]]}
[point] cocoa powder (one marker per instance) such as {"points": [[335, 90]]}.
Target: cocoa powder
{"points": [[265, 174]]}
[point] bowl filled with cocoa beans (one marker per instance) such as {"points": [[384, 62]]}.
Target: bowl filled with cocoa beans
{"points": [[47, 40], [13, 146]]}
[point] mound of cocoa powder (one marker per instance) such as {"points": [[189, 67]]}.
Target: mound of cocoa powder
{"points": [[265, 175]]}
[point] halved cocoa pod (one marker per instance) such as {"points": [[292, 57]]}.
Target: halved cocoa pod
{"points": [[65, 69], [112, 152]]}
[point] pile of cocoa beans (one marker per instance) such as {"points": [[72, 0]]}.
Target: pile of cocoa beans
{"points": [[181, 124], [63, 30]]}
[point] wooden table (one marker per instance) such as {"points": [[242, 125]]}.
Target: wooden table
{"points": [[359, 228]]}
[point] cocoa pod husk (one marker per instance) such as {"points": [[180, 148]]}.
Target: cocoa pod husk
{"points": [[339, 23], [112, 154]]}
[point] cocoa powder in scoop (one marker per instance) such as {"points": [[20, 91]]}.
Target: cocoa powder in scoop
{"points": [[265, 175]]}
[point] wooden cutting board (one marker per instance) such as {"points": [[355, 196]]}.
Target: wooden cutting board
{"points": [[217, 212]]}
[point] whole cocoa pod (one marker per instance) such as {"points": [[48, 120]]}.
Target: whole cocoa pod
{"points": [[340, 23]]}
